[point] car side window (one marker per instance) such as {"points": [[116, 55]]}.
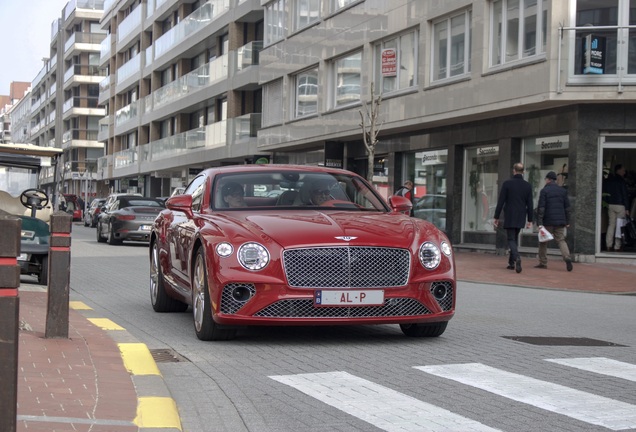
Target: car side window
{"points": [[195, 188]]}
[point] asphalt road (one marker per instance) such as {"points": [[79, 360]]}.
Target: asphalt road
{"points": [[476, 377]]}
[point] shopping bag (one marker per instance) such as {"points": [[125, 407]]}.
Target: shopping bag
{"points": [[620, 222], [544, 235], [629, 231]]}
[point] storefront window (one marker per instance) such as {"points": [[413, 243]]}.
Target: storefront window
{"points": [[429, 178], [481, 188], [543, 155]]}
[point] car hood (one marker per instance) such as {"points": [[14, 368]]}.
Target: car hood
{"points": [[320, 228]]}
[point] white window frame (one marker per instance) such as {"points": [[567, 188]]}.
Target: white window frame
{"points": [[336, 5], [335, 80], [499, 45], [273, 103], [304, 75], [436, 66], [396, 40], [311, 8], [275, 22]]}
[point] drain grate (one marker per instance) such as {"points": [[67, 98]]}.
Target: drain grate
{"points": [[166, 356], [562, 341]]}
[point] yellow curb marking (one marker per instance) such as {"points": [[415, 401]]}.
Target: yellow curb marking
{"points": [[137, 359], [157, 412], [78, 305], [105, 324]]}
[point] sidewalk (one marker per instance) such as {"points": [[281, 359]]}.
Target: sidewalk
{"points": [[101, 380]]}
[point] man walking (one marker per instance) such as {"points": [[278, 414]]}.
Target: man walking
{"points": [[617, 198], [554, 215], [515, 199]]}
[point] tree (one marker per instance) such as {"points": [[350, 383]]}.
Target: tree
{"points": [[370, 129]]}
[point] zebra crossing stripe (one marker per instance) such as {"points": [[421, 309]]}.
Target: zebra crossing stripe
{"points": [[586, 407], [380, 406], [601, 365]]}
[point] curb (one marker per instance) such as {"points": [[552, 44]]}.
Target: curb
{"points": [[155, 407]]}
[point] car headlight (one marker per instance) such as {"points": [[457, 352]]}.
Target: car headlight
{"points": [[430, 255], [253, 256], [224, 249], [446, 248]]}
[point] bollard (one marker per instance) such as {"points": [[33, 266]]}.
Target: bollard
{"points": [[59, 276], [10, 228]]}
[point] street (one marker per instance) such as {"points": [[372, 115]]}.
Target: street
{"points": [[477, 376]]}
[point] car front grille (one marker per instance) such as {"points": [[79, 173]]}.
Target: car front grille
{"points": [[304, 308], [445, 301], [347, 267], [229, 304]]}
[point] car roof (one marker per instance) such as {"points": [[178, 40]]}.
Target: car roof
{"points": [[275, 168]]}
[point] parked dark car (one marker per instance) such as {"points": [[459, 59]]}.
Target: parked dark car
{"points": [[128, 217], [90, 216], [328, 251]]}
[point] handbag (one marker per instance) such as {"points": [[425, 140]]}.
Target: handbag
{"points": [[545, 235], [629, 231]]}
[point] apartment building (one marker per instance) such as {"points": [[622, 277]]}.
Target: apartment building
{"points": [[17, 90], [62, 107], [181, 91], [468, 88]]}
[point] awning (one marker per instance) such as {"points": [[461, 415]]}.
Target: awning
{"points": [[29, 150]]}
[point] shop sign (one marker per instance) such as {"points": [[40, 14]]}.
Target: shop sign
{"points": [[552, 143], [593, 54], [334, 154], [389, 62], [488, 151], [433, 157]]}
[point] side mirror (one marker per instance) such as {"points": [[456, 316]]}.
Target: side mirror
{"points": [[182, 203], [400, 204]]}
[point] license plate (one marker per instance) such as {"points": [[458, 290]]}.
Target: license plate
{"points": [[145, 228], [349, 298]]}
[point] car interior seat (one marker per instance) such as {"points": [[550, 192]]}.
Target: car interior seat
{"points": [[287, 198]]}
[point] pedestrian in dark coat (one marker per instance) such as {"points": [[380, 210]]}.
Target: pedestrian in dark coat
{"points": [[553, 213], [515, 199]]}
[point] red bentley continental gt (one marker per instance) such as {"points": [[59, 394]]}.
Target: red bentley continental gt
{"points": [[324, 250]]}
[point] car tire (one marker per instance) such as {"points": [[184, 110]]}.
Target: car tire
{"points": [[204, 326], [111, 236], [158, 297], [93, 222], [424, 330], [100, 239], [43, 276]]}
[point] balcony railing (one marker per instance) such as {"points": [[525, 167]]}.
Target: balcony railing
{"points": [[124, 158], [192, 82], [104, 48], [245, 127], [79, 102], [104, 84], [210, 136], [87, 38], [127, 113], [194, 22], [82, 4], [130, 23], [248, 55], [79, 134], [129, 68]]}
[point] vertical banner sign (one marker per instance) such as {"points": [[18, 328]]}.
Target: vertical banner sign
{"points": [[593, 54], [389, 62], [334, 154]]}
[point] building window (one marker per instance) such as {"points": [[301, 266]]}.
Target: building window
{"points": [[427, 170], [451, 46], [273, 97], [518, 30], [543, 155], [339, 4], [275, 22], [346, 79], [481, 188], [306, 12], [396, 62], [306, 90]]}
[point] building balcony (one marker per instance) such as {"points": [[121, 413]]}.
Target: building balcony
{"points": [[80, 138], [245, 128], [104, 48], [194, 22], [248, 55], [82, 106], [104, 126], [84, 42], [104, 167], [86, 74], [128, 69], [132, 23], [127, 113]]}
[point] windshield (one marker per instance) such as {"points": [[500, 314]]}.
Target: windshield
{"points": [[14, 180], [295, 190]]}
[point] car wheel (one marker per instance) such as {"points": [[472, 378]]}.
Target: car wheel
{"points": [[43, 277], [204, 326], [100, 239], [93, 222], [424, 330], [158, 297], [111, 236]]}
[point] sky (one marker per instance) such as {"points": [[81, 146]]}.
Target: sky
{"points": [[25, 37]]}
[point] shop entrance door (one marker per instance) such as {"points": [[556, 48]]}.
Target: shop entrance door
{"points": [[615, 152]]}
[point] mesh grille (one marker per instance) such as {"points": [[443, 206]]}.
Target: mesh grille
{"points": [[446, 302], [347, 267], [304, 308], [229, 304]]}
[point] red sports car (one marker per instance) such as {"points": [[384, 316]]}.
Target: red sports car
{"points": [[326, 250]]}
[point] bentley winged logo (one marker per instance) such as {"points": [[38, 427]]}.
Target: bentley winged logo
{"points": [[346, 238]]}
